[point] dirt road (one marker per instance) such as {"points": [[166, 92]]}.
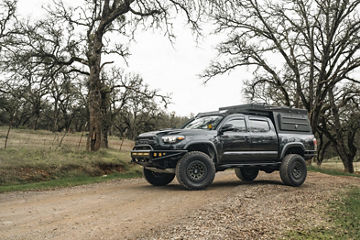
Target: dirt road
{"points": [[132, 209]]}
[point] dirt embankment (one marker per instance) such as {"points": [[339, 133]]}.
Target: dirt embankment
{"points": [[132, 209]]}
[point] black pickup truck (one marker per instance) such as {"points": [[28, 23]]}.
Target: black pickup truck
{"points": [[248, 138]]}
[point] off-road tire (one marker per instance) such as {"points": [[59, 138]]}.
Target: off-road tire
{"points": [[158, 179], [195, 170], [246, 174], [293, 170]]}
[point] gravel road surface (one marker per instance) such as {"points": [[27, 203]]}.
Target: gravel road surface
{"points": [[132, 209]]}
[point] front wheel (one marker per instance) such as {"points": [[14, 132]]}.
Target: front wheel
{"points": [[157, 178], [293, 170], [195, 170], [246, 174]]}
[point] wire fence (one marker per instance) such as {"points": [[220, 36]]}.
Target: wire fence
{"points": [[338, 165], [47, 140]]}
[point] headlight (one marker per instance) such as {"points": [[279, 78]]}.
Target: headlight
{"points": [[172, 139]]}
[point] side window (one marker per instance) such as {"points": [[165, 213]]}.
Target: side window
{"points": [[256, 125], [238, 125]]}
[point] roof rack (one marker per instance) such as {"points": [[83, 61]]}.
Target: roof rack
{"points": [[261, 109], [208, 113]]}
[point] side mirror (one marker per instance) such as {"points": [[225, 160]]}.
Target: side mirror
{"points": [[226, 128]]}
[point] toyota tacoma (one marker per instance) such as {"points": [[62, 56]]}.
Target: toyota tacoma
{"points": [[248, 138]]}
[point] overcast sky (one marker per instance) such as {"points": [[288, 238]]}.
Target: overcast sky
{"points": [[174, 69]]}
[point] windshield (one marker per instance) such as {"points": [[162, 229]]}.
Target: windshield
{"points": [[206, 122]]}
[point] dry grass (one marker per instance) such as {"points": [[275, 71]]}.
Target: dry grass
{"points": [[340, 166], [40, 139], [33, 156], [336, 164]]}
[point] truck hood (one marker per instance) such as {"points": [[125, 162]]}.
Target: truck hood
{"points": [[185, 132]]}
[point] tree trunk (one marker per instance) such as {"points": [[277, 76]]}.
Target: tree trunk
{"points": [[56, 116], [94, 57], [322, 147], [349, 166], [346, 156], [321, 153], [36, 113], [35, 122], [105, 141], [106, 117], [346, 159], [95, 120], [8, 132]]}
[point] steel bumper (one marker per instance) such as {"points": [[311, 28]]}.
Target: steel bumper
{"points": [[147, 157], [309, 154]]}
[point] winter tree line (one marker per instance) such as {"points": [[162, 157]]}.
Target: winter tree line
{"points": [[47, 68], [302, 53]]}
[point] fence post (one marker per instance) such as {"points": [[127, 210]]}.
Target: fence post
{"points": [[80, 140], [122, 142]]}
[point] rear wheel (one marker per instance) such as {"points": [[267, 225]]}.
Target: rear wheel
{"points": [[293, 170], [246, 174], [158, 179], [195, 170]]}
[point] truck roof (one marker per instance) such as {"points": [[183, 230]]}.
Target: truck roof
{"points": [[253, 108], [285, 118]]}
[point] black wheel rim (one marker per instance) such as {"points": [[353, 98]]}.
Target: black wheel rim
{"points": [[249, 172], [156, 174], [298, 170], [196, 171]]}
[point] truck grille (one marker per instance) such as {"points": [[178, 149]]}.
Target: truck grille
{"points": [[139, 142]]}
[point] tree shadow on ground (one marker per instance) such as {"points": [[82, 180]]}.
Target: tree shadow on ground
{"points": [[175, 186]]}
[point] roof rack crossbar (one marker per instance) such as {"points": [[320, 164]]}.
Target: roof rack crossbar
{"points": [[257, 108], [208, 113]]}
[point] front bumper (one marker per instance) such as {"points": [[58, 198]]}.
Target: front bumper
{"points": [[155, 158], [310, 154]]}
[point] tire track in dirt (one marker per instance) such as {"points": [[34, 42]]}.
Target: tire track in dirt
{"points": [[132, 209], [112, 210]]}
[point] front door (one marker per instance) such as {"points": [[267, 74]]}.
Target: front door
{"points": [[235, 141]]}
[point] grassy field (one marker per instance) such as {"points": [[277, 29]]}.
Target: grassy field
{"points": [[338, 165], [41, 139], [67, 182], [344, 220], [331, 171], [38, 160], [334, 165], [343, 213]]}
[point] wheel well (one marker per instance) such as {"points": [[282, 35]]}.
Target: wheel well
{"points": [[205, 148], [295, 150]]}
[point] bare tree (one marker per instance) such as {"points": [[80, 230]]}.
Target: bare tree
{"points": [[33, 87], [65, 95], [77, 38], [340, 122], [316, 42], [7, 17], [10, 103], [124, 92], [299, 50]]}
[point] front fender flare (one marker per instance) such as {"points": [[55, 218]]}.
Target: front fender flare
{"points": [[211, 144]]}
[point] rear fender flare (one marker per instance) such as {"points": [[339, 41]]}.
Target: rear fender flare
{"points": [[291, 145]]}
